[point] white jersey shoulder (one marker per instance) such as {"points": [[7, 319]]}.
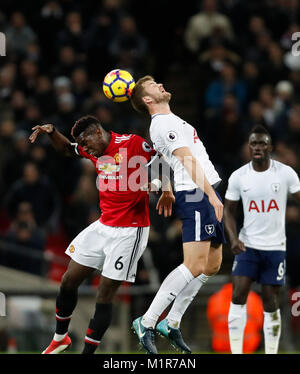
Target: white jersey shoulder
{"points": [[169, 132]]}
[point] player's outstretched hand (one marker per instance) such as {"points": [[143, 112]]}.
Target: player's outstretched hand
{"points": [[237, 247], [46, 129], [218, 206], [165, 202]]}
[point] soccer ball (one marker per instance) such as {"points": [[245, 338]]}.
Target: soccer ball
{"points": [[117, 85]]}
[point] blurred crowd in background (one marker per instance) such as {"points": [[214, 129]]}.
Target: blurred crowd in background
{"points": [[228, 64]]}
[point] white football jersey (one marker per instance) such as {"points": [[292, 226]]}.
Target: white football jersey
{"points": [[168, 132], [264, 196]]}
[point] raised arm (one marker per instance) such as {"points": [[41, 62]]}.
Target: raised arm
{"points": [[230, 208], [58, 140], [197, 174]]}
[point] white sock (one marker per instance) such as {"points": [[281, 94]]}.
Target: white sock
{"points": [[169, 289], [59, 337], [184, 299], [272, 331], [237, 319]]}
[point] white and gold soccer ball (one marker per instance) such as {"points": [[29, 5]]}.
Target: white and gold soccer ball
{"points": [[118, 85]]}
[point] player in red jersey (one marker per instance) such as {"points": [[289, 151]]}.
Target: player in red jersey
{"points": [[116, 241]]}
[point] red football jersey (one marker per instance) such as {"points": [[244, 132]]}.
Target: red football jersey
{"points": [[121, 173]]}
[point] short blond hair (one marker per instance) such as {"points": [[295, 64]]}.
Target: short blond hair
{"points": [[137, 94]]}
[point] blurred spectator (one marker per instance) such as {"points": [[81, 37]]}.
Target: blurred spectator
{"points": [[18, 104], [274, 69], [7, 129], [44, 96], [227, 84], [24, 232], [39, 192], [28, 77], [284, 93], [286, 40], [72, 34], [267, 100], [129, 47], [19, 35], [7, 81], [293, 133], [80, 87], [65, 116], [81, 204], [251, 78], [51, 18], [255, 116], [62, 85], [16, 158], [259, 52], [213, 59], [67, 62], [208, 23], [32, 116], [287, 154], [27, 254], [225, 133], [100, 31]]}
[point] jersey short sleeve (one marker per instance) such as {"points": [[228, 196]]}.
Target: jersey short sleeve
{"points": [[81, 153], [143, 148], [168, 136], [233, 190], [292, 180]]}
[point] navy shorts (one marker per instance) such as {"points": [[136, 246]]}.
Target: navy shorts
{"points": [[199, 222], [265, 267]]}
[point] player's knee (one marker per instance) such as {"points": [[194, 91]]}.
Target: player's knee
{"points": [[69, 282], [212, 270], [105, 296], [195, 269], [270, 305], [239, 297]]}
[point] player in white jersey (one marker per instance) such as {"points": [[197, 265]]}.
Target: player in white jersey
{"points": [[263, 186], [199, 207]]}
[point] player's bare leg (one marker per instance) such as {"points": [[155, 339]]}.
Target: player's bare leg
{"points": [[169, 327], [237, 317], [103, 314], [272, 318], [186, 296], [195, 255], [65, 304]]}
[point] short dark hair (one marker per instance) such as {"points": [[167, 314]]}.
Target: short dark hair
{"points": [[83, 123], [260, 129], [137, 93]]}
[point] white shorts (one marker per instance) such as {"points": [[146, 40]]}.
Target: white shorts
{"points": [[114, 250]]}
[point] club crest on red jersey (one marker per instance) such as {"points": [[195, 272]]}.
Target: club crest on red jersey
{"points": [[118, 158]]}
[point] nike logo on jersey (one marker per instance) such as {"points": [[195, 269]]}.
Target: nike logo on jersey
{"points": [[247, 189]]}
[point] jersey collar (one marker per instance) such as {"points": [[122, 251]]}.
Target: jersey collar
{"points": [[111, 143]]}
